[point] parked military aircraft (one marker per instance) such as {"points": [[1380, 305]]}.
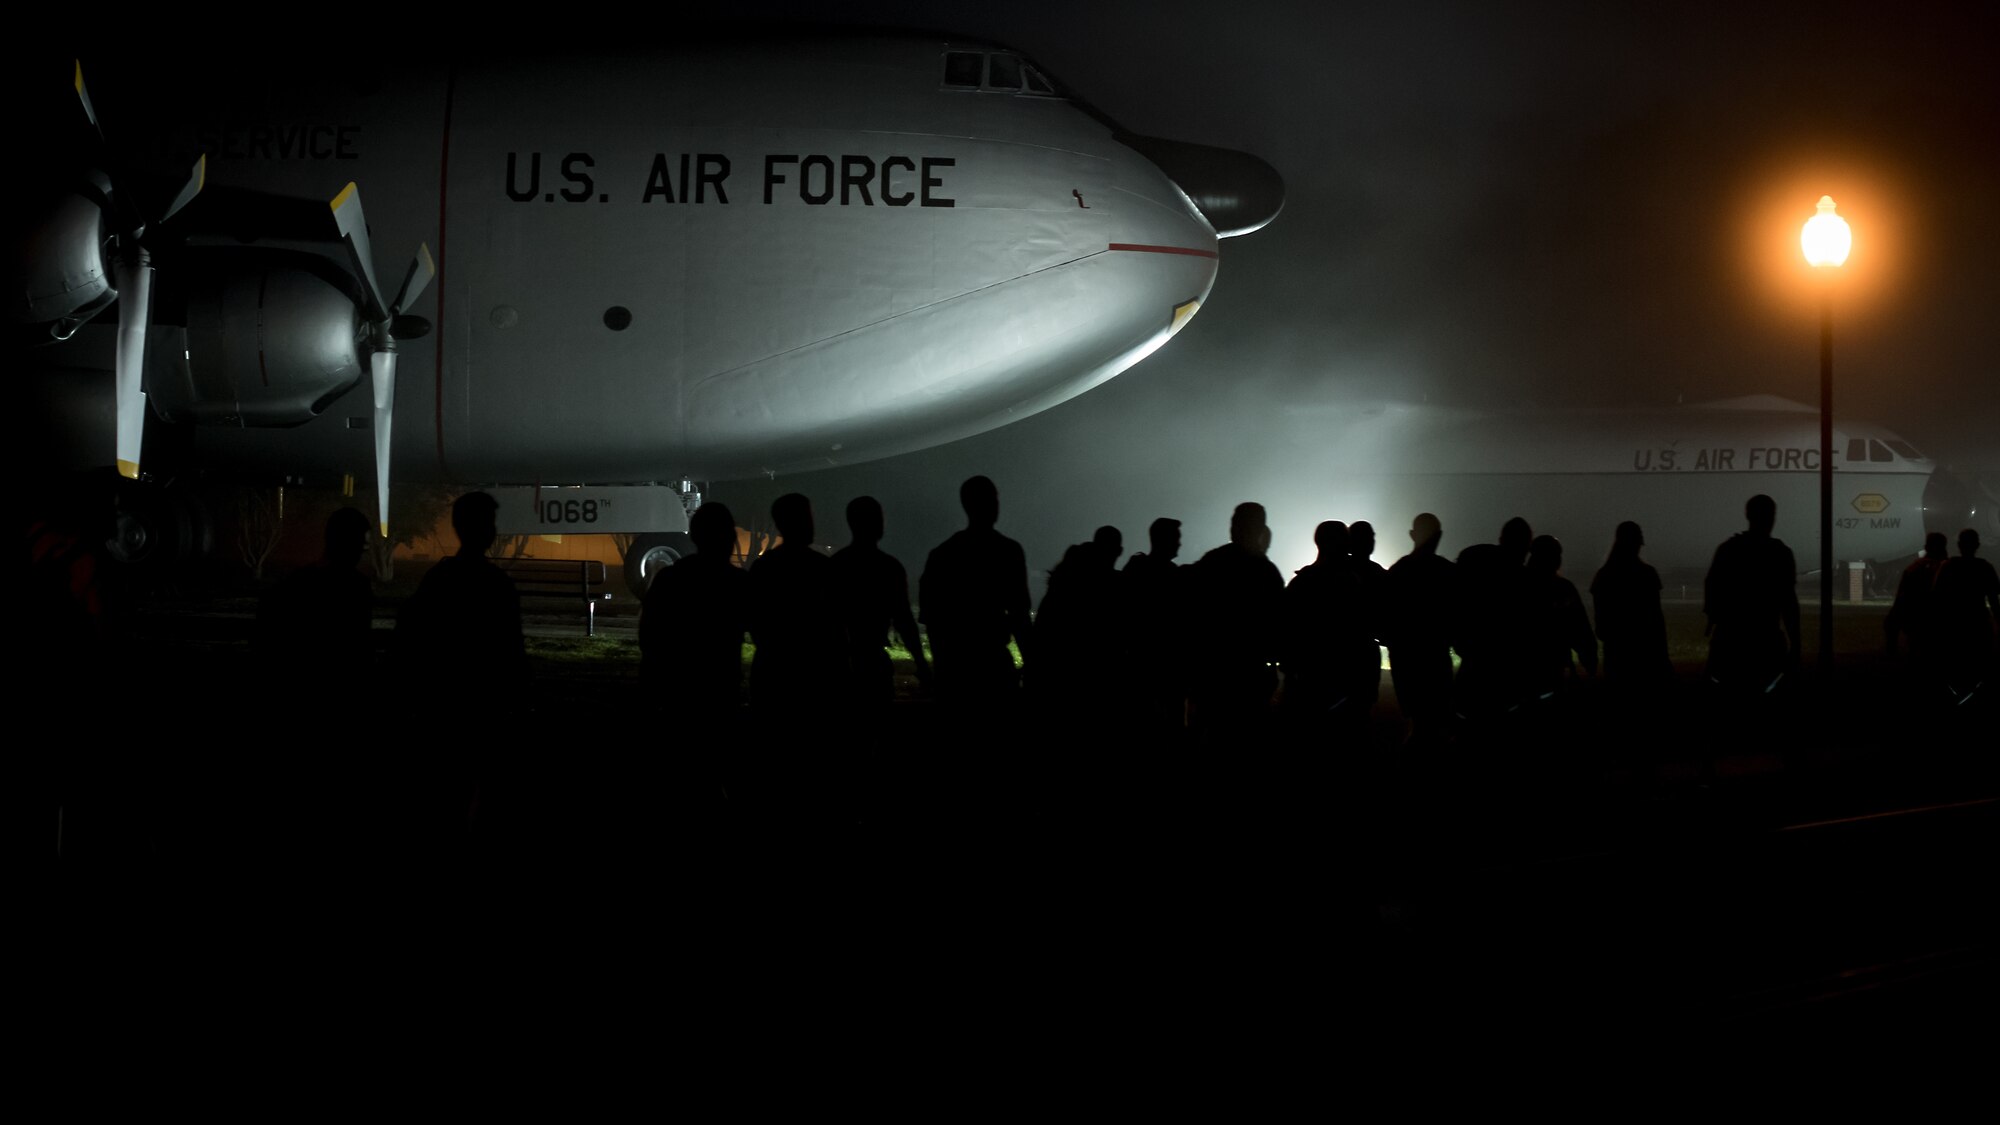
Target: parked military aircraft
{"points": [[1682, 472], [722, 259]]}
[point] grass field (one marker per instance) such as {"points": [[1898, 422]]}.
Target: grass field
{"points": [[1857, 634]]}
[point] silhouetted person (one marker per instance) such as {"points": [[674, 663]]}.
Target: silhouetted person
{"points": [[1320, 635], [1110, 544], [1914, 613], [1237, 598], [314, 626], [1626, 596], [1493, 630], [800, 662], [973, 598], [88, 804], [1423, 594], [1156, 629], [1968, 605], [1751, 599], [315, 654], [1163, 537], [1068, 622], [1371, 589], [462, 628], [873, 595], [691, 627], [1557, 623], [1080, 641], [460, 648], [75, 603]]}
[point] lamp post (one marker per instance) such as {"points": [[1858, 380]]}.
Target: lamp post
{"points": [[1826, 241]]}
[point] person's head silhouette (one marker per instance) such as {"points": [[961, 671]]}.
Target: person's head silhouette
{"points": [[713, 529], [1762, 512], [1426, 532], [472, 517], [864, 520], [1164, 535], [1968, 542], [1936, 546], [1626, 541], [1109, 543], [346, 538], [1247, 529], [793, 513], [980, 498], [1545, 554], [1331, 538], [1361, 539], [1515, 538], [1076, 558]]}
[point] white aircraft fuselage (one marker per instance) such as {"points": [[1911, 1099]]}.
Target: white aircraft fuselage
{"points": [[1683, 473], [729, 260]]}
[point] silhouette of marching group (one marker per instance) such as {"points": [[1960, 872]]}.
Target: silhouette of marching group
{"points": [[1224, 650], [1225, 645]]}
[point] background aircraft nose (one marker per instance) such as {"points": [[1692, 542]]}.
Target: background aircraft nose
{"points": [[1236, 192]]}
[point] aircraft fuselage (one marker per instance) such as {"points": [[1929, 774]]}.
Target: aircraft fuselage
{"points": [[1682, 473], [714, 263]]}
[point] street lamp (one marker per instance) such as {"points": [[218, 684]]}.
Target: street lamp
{"points": [[1826, 241]]}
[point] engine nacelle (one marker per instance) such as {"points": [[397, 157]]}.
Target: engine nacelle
{"points": [[62, 277], [270, 337]]}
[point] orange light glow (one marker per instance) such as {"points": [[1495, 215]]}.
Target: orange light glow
{"points": [[1766, 223]]}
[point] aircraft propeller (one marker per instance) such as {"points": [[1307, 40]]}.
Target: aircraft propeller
{"points": [[132, 276], [385, 322]]}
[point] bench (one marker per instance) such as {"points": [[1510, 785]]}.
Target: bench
{"points": [[566, 579]]}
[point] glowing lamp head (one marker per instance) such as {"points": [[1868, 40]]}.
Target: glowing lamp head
{"points": [[1826, 238]]}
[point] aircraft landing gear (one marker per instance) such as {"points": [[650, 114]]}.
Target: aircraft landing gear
{"points": [[652, 553], [159, 529]]}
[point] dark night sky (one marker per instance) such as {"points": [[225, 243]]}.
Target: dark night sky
{"points": [[1523, 205]]}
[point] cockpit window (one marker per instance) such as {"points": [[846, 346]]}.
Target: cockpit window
{"points": [[1906, 449], [999, 72], [1857, 449], [963, 68], [1003, 72], [1879, 452]]}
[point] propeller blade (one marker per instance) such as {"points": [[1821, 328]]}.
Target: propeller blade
{"points": [[197, 176], [382, 368], [123, 214], [353, 227], [419, 275], [83, 95], [135, 299]]}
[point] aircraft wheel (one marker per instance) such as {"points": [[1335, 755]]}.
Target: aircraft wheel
{"points": [[651, 554], [161, 529]]}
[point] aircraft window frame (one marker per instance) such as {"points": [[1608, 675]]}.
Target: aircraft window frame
{"points": [[978, 74], [994, 62], [1908, 451], [1878, 453], [1030, 81]]}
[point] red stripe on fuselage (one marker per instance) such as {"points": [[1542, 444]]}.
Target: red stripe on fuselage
{"points": [[1134, 246]]}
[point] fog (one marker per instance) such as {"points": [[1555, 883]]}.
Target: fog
{"points": [[1484, 211]]}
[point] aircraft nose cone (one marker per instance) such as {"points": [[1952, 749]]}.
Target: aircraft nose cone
{"points": [[1236, 192]]}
